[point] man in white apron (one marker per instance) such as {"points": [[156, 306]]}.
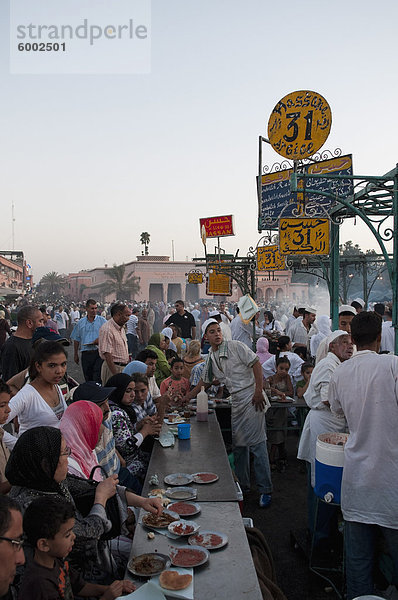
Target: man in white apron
{"points": [[238, 368]]}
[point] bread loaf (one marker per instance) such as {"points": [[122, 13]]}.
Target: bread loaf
{"points": [[172, 580]]}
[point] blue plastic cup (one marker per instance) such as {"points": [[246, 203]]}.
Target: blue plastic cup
{"points": [[184, 431]]}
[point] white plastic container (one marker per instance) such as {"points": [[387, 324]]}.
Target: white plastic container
{"points": [[329, 463], [202, 406]]}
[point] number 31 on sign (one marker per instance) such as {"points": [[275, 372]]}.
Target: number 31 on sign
{"points": [[299, 125]]}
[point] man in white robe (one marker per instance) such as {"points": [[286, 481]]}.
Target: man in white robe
{"points": [[365, 391], [321, 420]]}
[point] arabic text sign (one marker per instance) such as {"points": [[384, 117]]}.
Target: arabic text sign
{"points": [[276, 196], [304, 236], [269, 258], [195, 277], [218, 226], [299, 124], [218, 283], [342, 188]]}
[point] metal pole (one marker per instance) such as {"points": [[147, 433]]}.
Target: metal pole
{"points": [[253, 295], [334, 274], [12, 225], [365, 283], [344, 282], [395, 262]]}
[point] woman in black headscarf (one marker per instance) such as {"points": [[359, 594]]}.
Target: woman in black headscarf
{"points": [[38, 466], [128, 434]]}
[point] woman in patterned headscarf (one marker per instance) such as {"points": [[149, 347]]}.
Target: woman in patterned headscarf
{"points": [[128, 434]]}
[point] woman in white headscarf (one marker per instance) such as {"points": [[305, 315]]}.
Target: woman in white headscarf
{"points": [[323, 326], [168, 333]]}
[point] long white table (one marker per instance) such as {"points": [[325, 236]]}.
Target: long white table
{"points": [[230, 571]]}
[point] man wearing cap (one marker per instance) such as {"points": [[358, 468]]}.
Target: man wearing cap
{"points": [[225, 329], [365, 392], [112, 342], [85, 334], [235, 365], [320, 419], [358, 304], [346, 315], [301, 331], [107, 455]]}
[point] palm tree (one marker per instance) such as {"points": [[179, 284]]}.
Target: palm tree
{"points": [[52, 283], [119, 285], [144, 239]]}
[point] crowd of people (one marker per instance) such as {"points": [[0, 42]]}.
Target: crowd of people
{"points": [[73, 457]]}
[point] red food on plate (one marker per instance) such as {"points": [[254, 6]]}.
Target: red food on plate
{"points": [[182, 529], [208, 541], [182, 508], [187, 557], [205, 477]]}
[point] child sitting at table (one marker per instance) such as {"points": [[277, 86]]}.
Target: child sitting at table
{"points": [[176, 386], [302, 385], [48, 526], [281, 385]]}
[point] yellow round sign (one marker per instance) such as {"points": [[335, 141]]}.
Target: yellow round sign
{"points": [[299, 124]]}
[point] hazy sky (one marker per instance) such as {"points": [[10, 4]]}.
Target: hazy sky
{"points": [[91, 161]]}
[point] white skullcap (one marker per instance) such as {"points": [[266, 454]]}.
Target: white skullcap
{"points": [[214, 313], [359, 301], [207, 323], [347, 308], [334, 335], [310, 309]]}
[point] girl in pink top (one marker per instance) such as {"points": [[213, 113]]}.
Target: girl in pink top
{"points": [[176, 386]]}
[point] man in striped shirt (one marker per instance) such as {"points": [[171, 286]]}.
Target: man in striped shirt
{"points": [[112, 344]]}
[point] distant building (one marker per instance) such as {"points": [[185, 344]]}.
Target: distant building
{"points": [[13, 273], [165, 280]]}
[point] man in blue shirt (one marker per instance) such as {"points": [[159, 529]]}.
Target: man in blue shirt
{"points": [[85, 334]]}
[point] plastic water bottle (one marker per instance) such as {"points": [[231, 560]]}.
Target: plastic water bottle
{"points": [[202, 406]]}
